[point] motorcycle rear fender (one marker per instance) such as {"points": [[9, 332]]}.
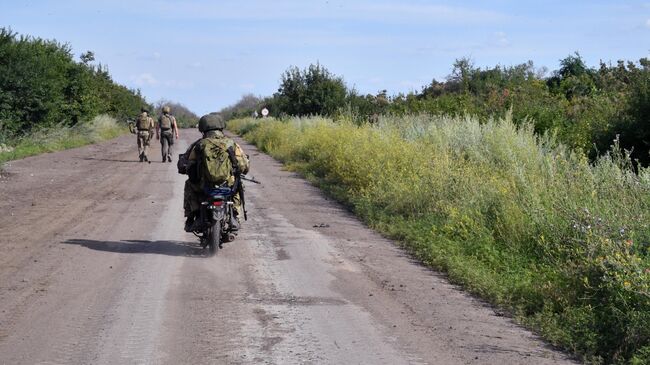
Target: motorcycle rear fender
{"points": [[218, 214]]}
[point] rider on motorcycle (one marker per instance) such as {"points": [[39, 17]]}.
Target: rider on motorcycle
{"points": [[211, 125]]}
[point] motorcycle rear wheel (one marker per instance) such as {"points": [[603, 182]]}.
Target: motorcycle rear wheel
{"points": [[214, 238]]}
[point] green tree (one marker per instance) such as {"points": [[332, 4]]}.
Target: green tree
{"points": [[574, 78], [245, 107], [312, 91], [87, 57], [461, 74], [635, 127], [42, 86]]}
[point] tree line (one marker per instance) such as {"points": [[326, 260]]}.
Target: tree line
{"points": [[42, 86], [587, 108]]}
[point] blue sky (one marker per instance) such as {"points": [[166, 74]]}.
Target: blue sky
{"points": [[206, 54]]}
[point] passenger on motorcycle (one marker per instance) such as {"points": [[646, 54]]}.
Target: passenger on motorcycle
{"points": [[194, 162]]}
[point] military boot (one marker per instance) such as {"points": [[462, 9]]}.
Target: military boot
{"points": [[234, 223], [189, 222]]}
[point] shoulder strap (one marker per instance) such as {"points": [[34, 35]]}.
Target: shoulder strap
{"points": [[233, 159]]}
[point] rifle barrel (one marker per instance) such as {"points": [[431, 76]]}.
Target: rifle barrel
{"points": [[251, 179]]}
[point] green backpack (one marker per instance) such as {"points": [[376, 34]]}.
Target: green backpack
{"points": [[215, 165], [165, 121]]}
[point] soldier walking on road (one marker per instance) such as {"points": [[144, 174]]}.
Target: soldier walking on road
{"points": [[165, 131], [145, 126]]}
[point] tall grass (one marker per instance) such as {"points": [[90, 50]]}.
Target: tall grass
{"points": [[516, 218], [101, 128]]}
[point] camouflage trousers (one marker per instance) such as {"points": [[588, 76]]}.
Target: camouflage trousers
{"points": [[143, 142], [192, 195], [166, 143]]}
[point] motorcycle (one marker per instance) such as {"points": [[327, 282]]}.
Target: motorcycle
{"points": [[214, 224]]}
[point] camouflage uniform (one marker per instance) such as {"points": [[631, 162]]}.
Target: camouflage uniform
{"points": [[194, 190], [166, 128], [144, 135]]}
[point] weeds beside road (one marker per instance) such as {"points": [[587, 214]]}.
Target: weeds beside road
{"points": [[515, 218], [101, 128]]}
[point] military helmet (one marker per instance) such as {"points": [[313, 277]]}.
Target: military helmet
{"points": [[166, 109], [212, 121], [144, 109]]}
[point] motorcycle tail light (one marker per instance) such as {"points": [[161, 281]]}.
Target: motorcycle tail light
{"points": [[217, 203]]}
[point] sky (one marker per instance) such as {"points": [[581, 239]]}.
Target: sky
{"points": [[207, 54]]}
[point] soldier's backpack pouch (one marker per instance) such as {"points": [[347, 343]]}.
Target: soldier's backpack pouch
{"points": [[143, 122], [215, 166]]}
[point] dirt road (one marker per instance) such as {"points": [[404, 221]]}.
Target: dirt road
{"points": [[95, 269]]}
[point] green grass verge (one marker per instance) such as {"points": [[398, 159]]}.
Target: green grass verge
{"points": [[515, 218], [56, 139]]}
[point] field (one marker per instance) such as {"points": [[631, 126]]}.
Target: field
{"points": [[520, 220]]}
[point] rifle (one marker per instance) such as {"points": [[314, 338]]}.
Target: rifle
{"points": [[251, 179], [131, 124]]}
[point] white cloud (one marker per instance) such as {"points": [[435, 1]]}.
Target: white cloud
{"points": [[149, 56], [502, 39], [145, 79], [381, 11], [427, 12], [647, 23], [195, 65], [176, 84], [291, 38]]}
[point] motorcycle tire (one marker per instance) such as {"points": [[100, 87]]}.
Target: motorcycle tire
{"points": [[214, 238]]}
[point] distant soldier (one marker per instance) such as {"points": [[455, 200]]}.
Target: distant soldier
{"points": [[145, 125], [165, 131]]}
